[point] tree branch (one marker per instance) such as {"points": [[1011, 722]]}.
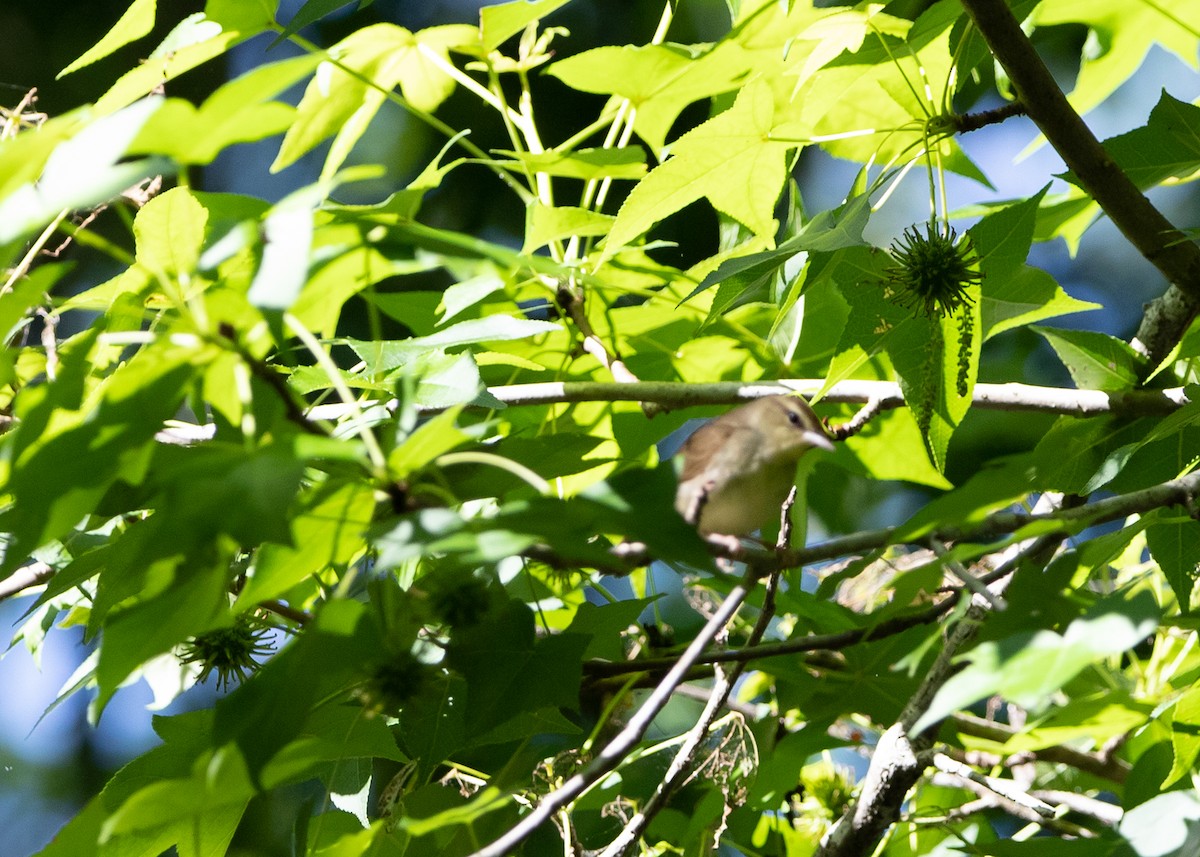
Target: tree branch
{"points": [[618, 748], [1000, 397], [1147, 229], [900, 757], [25, 577], [1112, 769], [1177, 492], [967, 122], [1014, 808], [682, 766]]}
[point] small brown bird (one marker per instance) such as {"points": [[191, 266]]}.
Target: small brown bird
{"points": [[739, 468]]}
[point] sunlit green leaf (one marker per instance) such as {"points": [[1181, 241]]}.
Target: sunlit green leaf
{"points": [[135, 22], [658, 80], [730, 160], [622, 162], [498, 21], [1121, 36], [1096, 361], [1175, 546], [1028, 668]]}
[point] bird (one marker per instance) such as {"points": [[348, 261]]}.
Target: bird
{"points": [[739, 467]]}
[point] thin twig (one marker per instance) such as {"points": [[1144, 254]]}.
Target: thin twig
{"points": [[300, 617], [616, 750], [859, 421], [1106, 813], [1097, 764], [900, 757], [1181, 492], [570, 301], [678, 772], [1013, 808], [1006, 789], [967, 122]]}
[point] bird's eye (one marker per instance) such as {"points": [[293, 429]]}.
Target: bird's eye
{"points": [[793, 418]]}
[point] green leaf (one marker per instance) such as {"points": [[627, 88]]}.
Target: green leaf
{"points": [[1002, 240], [509, 671], [434, 723], [1167, 825], [1100, 448], [1096, 361], [936, 362], [498, 22], [730, 160], [155, 624], [332, 735], [334, 653], [287, 234], [1093, 719], [136, 22], [1175, 546], [545, 224], [198, 814], [658, 80], [85, 446], [193, 42], [169, 231], [1185, 735], [238, 112], [1028, 294], [619, 162], [603, 625], [15, 307], [830, 230], [332, 282], [1028, 668], [994, 487], [858, 273], [892, 447], [871, 104], [328, 532], [467, 293], [83, 172], [1121, 35], [384, 356], [433, 438], [79, 837], [1166, 147], [313, 11], [347, 91]]}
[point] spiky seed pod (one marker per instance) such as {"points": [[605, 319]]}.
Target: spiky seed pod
{"points": [[460, 600], [390, 683], [230, 652], [931, 272]]}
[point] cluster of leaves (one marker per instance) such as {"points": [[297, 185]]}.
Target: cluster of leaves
{"points": [[428, 526]]}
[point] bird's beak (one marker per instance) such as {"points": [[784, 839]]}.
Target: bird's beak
{"points": [[818, 440]]}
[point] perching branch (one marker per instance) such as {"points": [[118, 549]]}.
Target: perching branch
{"points": [[1164, 246], [1176, 492]]}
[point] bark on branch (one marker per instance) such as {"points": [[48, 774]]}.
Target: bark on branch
{"points": [[1155, 237]]}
